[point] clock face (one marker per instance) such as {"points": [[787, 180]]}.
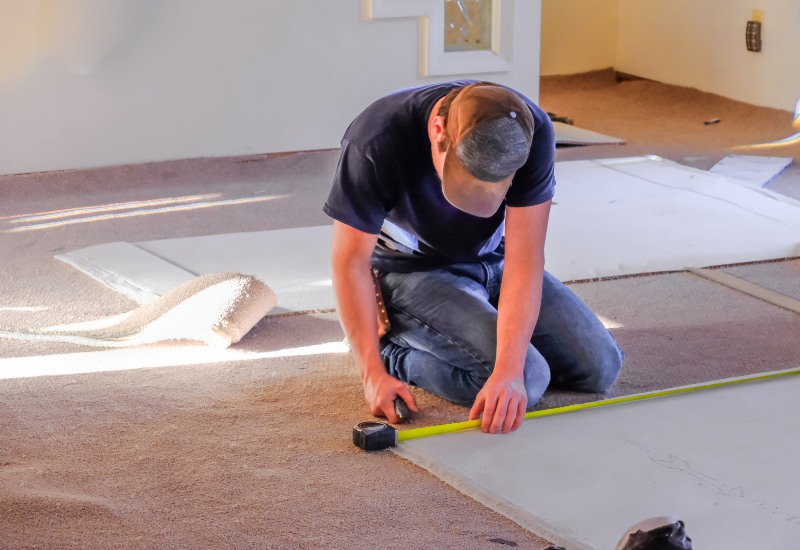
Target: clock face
{"points": [[467, 25]]}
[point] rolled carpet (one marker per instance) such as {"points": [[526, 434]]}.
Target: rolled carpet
{"points": [[217, 309]]}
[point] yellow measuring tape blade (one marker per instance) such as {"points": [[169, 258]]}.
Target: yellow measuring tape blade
{"points": [[416, 433]]}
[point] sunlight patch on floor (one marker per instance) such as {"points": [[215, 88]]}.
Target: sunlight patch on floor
{"points": [[148, 357], [81, 210], [609, 323], [135, 213]]}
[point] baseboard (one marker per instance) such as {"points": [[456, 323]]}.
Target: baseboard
{"points": [[622, 77]]}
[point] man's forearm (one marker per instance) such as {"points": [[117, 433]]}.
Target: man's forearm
{"points": [[355, 297], [518, 311], [503, 400], [521, 289], [358, 315]]}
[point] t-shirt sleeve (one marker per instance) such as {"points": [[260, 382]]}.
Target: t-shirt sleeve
{"points": [[535, 182], [355, 197]]}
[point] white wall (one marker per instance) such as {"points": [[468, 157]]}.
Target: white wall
{"points": [[700, 44], [578, 35], [103, 82]]}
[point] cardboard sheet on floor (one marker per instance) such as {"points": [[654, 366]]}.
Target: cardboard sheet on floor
{"points": [[567, 134], [752, 170], [295, 261], [643, 215], [721, 460], [612, 217]]}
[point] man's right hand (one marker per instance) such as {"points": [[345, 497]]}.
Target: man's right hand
{"points": [[381, 390], [355, 291]]}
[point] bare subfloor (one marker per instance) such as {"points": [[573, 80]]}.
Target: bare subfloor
{"points": [[256, 452]]}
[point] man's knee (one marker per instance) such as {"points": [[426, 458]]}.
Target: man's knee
{"points": [[537, 378], [593, 371], [458, 384], [605, 369]]}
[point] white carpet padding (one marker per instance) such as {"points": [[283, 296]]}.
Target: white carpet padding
{"points": [[752, 170], [295, 263], [567, 134], [644, 215], [721, 460], [611, 217]]}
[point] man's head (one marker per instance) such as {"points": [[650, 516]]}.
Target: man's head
{"points": [[483, 134]]}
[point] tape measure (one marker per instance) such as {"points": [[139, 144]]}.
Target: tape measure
{"points": [[374, 436]]}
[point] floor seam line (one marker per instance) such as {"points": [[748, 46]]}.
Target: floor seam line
{"points": [[163, 259], [746, 287]]}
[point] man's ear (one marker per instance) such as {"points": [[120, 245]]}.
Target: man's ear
{"points": [[438, 129]]}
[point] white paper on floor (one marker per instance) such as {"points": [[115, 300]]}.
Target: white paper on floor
{"points": [[644, 215], [612, 217], [567, 134], [721, 460], [751, 169], [296, 262]]}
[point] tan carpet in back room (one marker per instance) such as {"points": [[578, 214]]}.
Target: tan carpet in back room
{"points": [[665, 120]]}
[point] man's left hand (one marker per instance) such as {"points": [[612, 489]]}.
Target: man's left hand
{"points": [[503, 402]]}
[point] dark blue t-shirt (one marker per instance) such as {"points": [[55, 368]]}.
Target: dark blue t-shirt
{"points": [[386, 184]]}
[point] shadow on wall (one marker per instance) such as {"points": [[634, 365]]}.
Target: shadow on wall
{"points": [[80, 35]]}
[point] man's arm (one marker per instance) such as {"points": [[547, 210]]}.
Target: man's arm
{"points": [[355, 298], [503, 399]]}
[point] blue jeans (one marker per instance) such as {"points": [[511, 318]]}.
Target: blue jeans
{"points": [[444, 338]]}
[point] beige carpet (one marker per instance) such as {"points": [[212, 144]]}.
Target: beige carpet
{"points": [[256, 452]]}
